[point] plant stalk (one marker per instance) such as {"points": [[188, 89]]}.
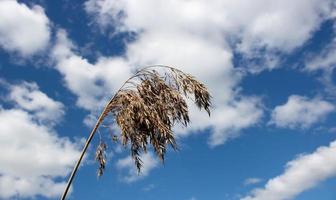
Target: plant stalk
{"points": [[74, 171]]}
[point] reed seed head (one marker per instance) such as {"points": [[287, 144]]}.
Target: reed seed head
{"points": [[147, 110]]}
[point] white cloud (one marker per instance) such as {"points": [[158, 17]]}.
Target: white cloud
{"points": [[261, 25], [32, 154], [300, 112], [28, 97], [301, 174], [325, 60], [252, 181], [23, 29], [127, 163], [227, 120], [266, 27], [92, 83], [11, 186]]}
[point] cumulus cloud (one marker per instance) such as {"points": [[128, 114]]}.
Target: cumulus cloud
{"points": [[33, 157], [260, 28], [301, 174], [28, 97], [23, 29], [300, 112], [92, 83], [24, 188], [127, 164]]}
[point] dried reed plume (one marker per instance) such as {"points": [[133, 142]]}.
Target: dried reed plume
{"points": [[146, 108]]}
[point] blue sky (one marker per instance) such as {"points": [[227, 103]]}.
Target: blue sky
{"points": [[269, 65]]}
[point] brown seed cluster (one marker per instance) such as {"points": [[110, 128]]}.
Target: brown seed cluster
{"points": [[101, 158], [148, 109]]}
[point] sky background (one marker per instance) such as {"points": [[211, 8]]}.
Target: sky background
{"points": [[269, 65]]}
